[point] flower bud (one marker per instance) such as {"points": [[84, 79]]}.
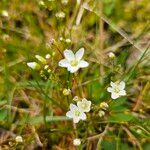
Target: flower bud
{"points": [[64, 1], [76, 98], [19, 139], [46, 67], [76, 142], [139, 131], [4, 13], [111, 55], [104, 105], [41, 59], [47, 56], [68, 41], [49, 70], [66, 91], [41, 3], [101, 113], [33, 65], [60, 14], [61, 38]]}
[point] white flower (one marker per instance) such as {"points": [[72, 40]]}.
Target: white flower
{"points": [[76, 114], [84, 105], [104, 105], [76, 142], [117, 89], [19, 139], [33, 65], [73, 61], [101, 113]]}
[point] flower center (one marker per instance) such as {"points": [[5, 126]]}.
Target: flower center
{"points": [[77, 113], [84, 106], [116, 90], [74, 63]]}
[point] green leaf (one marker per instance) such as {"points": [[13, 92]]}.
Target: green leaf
{"points": [[118, 105], [39, 119], [3, 114], [120, 117]]}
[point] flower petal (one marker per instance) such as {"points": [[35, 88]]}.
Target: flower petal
{"points": [[89, 103], [69, 55], [63, 63], [122, 93], [83, 64], [69, 114], [83, 116], [112, 84], [114, 95], [122, 85], [73, 69], [73, 107], [79, 104], [109, 89], [79, 54]]}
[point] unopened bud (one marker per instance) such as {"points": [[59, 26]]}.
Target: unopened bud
{"points": [[111, 55], [66, 91], [68, 41], [19, 139], [47, 56], [33, 65], [41, 59], [76, 98], [46, 67], [104, 105], [101, 113]]}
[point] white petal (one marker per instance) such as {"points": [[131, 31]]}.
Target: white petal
{"points": [[79, 104], [112, 84], [73, 107], [69, 114], [109, 89], [83, 116], [79, 54], [122, 92], [73, 69], [122, 85], [87, 109], [76, 119], [83, 64], [63, 63], [89, 103], [114, 95], [69, 55]]}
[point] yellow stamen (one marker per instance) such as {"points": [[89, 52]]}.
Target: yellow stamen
{"points": [[74, 63]]}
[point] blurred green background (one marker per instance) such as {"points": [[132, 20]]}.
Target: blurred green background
{"points": [[31, 27]]}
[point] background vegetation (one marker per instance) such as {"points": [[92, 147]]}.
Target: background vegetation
{"points": [[34, 106]]}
